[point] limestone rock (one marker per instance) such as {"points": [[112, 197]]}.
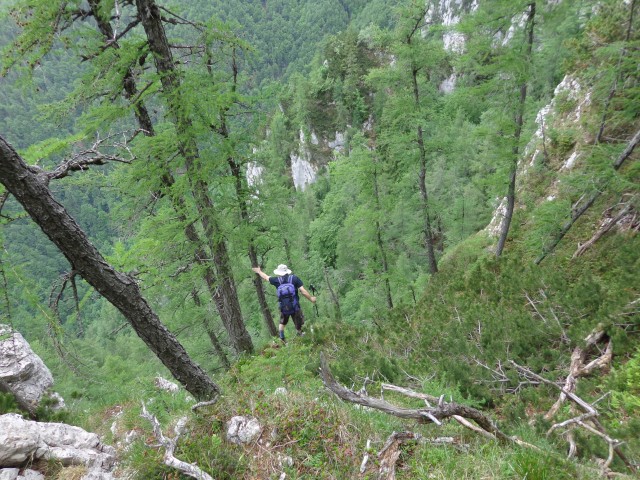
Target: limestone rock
{"points": [[14, 474], [243, 429], [166, 385], [25, 440], [22, 372]]}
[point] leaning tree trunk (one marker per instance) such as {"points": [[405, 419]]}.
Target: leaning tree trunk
{"points": [[511, 194], [159, 46], [119, 289], [578, 212]]}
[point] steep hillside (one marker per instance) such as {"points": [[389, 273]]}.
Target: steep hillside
{"points": [[383, 178]]}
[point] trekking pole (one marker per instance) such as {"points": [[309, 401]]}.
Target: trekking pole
{"points": [[314, 293]]}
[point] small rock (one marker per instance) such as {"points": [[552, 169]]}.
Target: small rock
{"points": [[31, 475], [243, 429], [166, 385], [285, 460], [280, 391]]}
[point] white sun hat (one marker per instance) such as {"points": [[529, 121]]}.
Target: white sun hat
{"points": [[282, 270]]}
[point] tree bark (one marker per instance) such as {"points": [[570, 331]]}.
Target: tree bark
{"points": [[511, 193], [213, 338], [239, 183], [119, 289], [383, 252]]}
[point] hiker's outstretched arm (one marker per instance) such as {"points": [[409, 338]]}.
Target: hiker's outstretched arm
{"points": [[263, 275], [308, 296]]}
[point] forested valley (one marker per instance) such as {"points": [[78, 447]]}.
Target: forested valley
{"points": [[456, 182]]}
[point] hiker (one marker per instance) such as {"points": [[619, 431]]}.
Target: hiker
{"points": [[287, 285]]}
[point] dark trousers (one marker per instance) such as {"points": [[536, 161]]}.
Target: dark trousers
{"points": [[298, 319]]}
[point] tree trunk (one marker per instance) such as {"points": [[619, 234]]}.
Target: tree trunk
{"points": [[236, 171], [511, 194], [119, 289], [428, 234], [383, 252], [334, 297], [213, 338], [145, 123], [159, 46]]}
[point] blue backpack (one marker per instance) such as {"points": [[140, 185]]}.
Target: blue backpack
{"points": [[287, 296]]}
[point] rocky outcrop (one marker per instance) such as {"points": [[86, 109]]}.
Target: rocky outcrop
{"points": [[569, 89], [23, 441], [22, 372], [166, 385]]}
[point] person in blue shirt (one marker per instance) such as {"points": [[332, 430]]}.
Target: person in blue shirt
{"points": [[284, 276]]}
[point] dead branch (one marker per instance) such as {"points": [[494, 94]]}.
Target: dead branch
{"points": [[429, 398], [91, 156], [579, 368], [204, 404], [365, 458], [390, 453], [565, 391], [571, 421], [568, 392], [170, 444], [421, 415], [606, 225]]}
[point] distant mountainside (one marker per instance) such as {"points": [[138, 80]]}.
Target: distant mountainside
{"points": [[286, 34]]}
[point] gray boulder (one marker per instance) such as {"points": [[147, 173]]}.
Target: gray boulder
{"points": [[22, 372], [14, 474], [25, 440], [243, 429]]}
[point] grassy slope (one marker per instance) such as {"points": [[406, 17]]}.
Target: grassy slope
{"points": [[475, 305]]}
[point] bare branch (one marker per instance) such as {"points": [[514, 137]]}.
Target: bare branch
{"points": [[204, 404], [391, 452], [606, 225], [91, 156], [581, 403], [184, 21], [170, 444], [421, 415]]}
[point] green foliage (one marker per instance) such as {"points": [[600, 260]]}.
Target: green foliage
{"points": [[356, 234], [627, 385], [8, 404]]}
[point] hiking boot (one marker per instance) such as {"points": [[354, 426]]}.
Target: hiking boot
{"points": [[300, 333]]}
